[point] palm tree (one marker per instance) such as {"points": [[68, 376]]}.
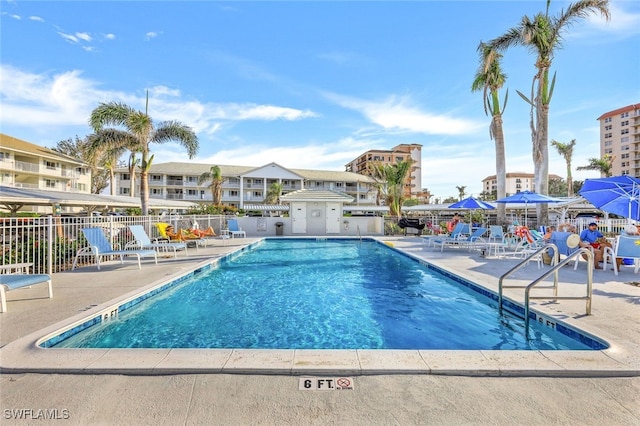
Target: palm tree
{"points": [[393, 177], [109, 145], [461, 192], [566, 150], [139, 125], [604, 165], [215, 176], [490, 79], [542, 34], [273, 194]]}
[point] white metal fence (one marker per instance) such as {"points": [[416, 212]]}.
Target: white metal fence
{"points": [[50, 243]]}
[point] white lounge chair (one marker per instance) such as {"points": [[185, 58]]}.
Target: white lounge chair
{"points": [[234, 229], [17, 276], [468, 242], [626, 247], [142, 241], [99, 247]]}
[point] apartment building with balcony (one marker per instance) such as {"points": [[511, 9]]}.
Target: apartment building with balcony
{"points": [[620, 138], [29, 166], [413, 184], [515, 182], [244, 185]]}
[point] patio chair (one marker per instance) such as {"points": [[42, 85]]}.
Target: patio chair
{"points": [[496, 234], [626, 247], [235, 229], [461, 230], [142, 241], [165, 233], [17, 276], [99, 247], [468, 242]]}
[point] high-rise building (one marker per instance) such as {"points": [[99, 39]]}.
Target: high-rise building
{"points": [[399, 153], [620, 138]]}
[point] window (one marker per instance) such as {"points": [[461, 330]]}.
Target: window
{"points": [[624, 114], [624, 139], [607, 120], [338, 184], [623, 156], [257, 194], [3, 155], [624, 131], [257, 181], [125, 176], [156, 191], [624, 148], [156, 178], [608, 151], [608, 135], [124, 191], [192, 192], [50, 165], [49, 183], [234, 181], [625, 123], [608, 127], [608, 143], [191, 179], [233, 193]]}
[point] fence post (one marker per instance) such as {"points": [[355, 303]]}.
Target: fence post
{"points": [[50, 234]]}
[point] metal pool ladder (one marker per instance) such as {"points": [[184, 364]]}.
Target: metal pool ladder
{"points": [[554, 270]]}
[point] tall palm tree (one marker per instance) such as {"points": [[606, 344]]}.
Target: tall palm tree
{"points": [[140, 126], [542, 34], [273, 193], [461, 192], [215, 176], [603, 165], [109, 145], [566, 150], [490, 79]]}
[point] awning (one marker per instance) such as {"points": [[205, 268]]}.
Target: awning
{"points": [[266, 207]]}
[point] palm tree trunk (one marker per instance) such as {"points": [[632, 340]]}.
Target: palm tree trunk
{"points": [[501, 167]]}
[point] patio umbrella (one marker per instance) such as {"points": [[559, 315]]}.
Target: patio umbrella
{"points": [[471, 203], [526, 198], [618, 194]]}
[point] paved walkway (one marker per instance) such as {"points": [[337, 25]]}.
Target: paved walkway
{"points": [[375, 399]]}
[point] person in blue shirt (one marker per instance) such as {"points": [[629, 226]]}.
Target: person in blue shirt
{"points": [[589, 238]]}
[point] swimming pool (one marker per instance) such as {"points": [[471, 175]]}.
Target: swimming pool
{"points": [[308, 294]]}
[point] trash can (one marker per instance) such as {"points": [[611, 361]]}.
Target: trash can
{"points": [[279, 228]]}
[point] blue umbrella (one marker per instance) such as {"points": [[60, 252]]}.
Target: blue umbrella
{"points": [[526, 198], [471, 203], [619, 195]]}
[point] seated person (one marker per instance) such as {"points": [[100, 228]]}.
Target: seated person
{"points": [[171, 233], [547, 235], [592, 237]]}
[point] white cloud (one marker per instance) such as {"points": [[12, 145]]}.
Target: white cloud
{"points": [[36, 18], [150, 35], [397, 114], [622, 22], [69, 37], [84, 36], [110, 36], [17, 17]]}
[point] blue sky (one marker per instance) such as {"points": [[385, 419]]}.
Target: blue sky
{"points": [[311, 84]]}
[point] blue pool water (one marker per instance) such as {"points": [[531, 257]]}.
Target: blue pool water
{"points": [[307, 294]]}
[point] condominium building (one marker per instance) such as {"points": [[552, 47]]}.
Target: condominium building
{"points": [[30, 166], [516, 182], [402, 152], [620, 138], [244, 186]]}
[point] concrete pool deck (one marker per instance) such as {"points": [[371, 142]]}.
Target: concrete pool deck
{"points": [[612, 374]]}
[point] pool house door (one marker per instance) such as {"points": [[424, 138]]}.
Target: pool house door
{"points": [[298, 212], [333, 218]]}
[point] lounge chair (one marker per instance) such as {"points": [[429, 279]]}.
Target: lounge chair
{"points": [[468, 242], [17, 277], [234, 228], [496, 234], [626, 247], [99, 247], [461, 230], [142, 241], [202, 237]]}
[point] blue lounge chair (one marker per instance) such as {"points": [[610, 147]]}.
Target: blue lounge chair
{"points": [[626, 247], [461, 230], [99, 247], [467, 242], [234, 228], [12, 281], [142, 241]]}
